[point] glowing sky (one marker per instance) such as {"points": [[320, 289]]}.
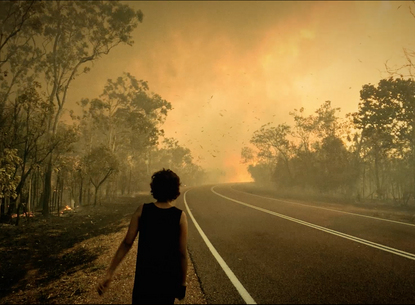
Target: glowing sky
{"points": [[229, 67]]}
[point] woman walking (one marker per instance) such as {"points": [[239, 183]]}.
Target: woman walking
{"points": [[161, 267]]}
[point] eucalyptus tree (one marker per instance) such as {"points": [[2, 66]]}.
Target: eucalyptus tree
{"points": [[272, 144], [304, 129], [403, 97], [334, 164], [100, 164], [20, 52], [175, 155], [77, 34], [178, 158], [327, 124], [126, 118], [386, 117], [304, 132], [334, 170], [20, 57], [25, 129], [248, 155], [128, 113], [16, 17], [380, 118], [9, 179], [256, 166]]}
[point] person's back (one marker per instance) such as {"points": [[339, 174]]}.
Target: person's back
{"points": [[158, 256], [161, 267]]}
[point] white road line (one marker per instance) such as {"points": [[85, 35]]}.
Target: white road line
{"points": [[340, 234], [242, 291], [333, 210]]}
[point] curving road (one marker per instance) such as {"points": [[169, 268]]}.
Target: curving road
{"points": [[251, 249]]}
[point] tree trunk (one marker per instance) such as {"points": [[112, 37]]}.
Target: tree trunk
{"points": [[53, 202], [35, 198], [95, 196], [413, 153], [47, 188], [18, 212], [364, 181], [89, 193], [413, 171], [378, 188], [61, 195], [129, 183], [1, 208], [12, 207], [29, 199], [81, 191], [84, 194], [26, 212], [58, 194]]}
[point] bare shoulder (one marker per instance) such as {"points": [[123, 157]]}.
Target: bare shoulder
{"points": [[183, 218], [139, 210]]}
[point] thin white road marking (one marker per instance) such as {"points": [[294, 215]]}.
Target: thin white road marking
{"points": [[333, 210], [242, 291], [340, 234]]}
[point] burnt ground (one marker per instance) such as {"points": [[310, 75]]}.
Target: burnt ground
{"points": [[59, 260]]}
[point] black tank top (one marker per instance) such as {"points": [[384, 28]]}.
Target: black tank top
{"points": [[158, 257]]}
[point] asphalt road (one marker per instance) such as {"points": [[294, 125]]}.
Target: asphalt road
{"points": [[284, 252]]}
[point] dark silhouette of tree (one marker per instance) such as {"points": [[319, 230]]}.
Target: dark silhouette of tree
{"points": [[386, 118]]}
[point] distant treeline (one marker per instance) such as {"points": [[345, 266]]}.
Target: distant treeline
{"points": [[370, 154]]}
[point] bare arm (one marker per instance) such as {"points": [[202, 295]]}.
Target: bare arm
{"points": [[183, 247], [122, 250]]}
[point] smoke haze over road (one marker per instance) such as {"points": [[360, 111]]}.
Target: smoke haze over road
{"points": [[227, 68]]}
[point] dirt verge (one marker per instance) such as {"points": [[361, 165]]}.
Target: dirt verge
{"points": [[60, 260]]}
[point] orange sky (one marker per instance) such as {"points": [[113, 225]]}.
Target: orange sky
{"points": [[230, 67]]}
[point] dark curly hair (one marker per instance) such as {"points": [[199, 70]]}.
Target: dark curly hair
{"points": [[165, 185]]}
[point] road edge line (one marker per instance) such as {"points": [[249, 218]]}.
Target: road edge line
{"points": [[232, 277]]}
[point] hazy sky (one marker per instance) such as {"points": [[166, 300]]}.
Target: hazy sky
{"points": [[227, 68]]}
